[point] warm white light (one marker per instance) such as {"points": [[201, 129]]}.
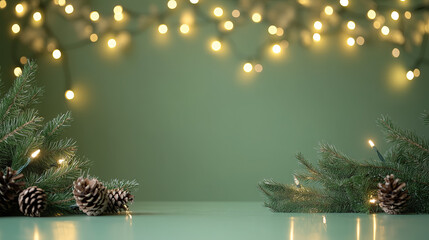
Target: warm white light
{"points": [[276, 49], [350, 41], [218, 12], [62, 2], [377, 25], [216, 45], [344, 3], [17, 71], [194, 1], [37, 16], [61, 161], [256, 17], [184, 28], [416, 72], [316, 37], [56, 54], [16, 28], [236, 13], [258, 68], [19, 8], [94, 16], [228, 25], [69, 9], [172, 4], [118, 17], [394, 15], [272, 29], [280, 31], [360, 40], [247, 67], [111, 43], [329, 10], [35, 153], [396, 52], [371, 14], [385, 30], [295, 179], [118, 9], [3, 4], [410, 75], [163, 29], [407, 14], [317, 25], [69, 94], [371, 143], [324, 220], [351, 25], [373, 200], [93, 37]]}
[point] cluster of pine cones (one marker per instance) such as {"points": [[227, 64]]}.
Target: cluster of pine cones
{"points": [[91, 196]]}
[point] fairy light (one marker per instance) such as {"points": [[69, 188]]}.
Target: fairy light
{"points": [[17, 71], [385, 30], [372, 200], [329, 10], [35, 153], [377, 25], [3, 4], [396, 53], [61, 161], [276, 48], [62, 3], [194, 1], [56, 54], [172, 4], [394, 15], [235, 13], [118, 17], [316, 37], [407, 15], [19, 8], [184, 28], [256, 17], [371, 14], [216, 45], [296, 181], [371, 143], [228, 25], [416, 72], [280, 31], [118, 9], [218, 12], [272, 29], [69, 94], [37, 16], [360, 40], [410, 75], [23, 60], [16, 28], [317, 25], [93, 37], [247, 67], [162, 28], [94, 16], [344, 3], [351, 41], [69, 9], [351, 25], [258, 68], [111, 43]]}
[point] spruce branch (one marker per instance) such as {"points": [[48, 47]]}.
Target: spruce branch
{"points": [[53, 128], [127, 185]]}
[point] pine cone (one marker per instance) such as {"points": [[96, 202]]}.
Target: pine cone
{"points": [[118, 200], [9, 187], [392, 196], [32, 201], [90, 195]]}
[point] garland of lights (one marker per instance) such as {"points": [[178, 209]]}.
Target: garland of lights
{"points": [[405, 27]]}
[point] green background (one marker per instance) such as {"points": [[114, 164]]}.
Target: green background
{"points": [[189, 125]]}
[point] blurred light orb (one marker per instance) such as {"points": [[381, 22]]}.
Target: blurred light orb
{"points": [[37, 16], [94, 16], [56, 54], [329, 10], [216, 45], [280, 31], [93, 37], [385, 30], [256, 17], [272, 29], [69, 94], [163, 29], [407, 14], [194, 1], [317, 25], [62, 3], [258, 68], [118, 9], [69, 9], [416, 72], [396, 53], [410, 75], [172, 4], [350, 41], [316, 37], [17, 71], [236, 13], [371, 14], [23, 60], [19, 8], [360, 40], [3, 4], [16, 28], [228, 25], [118, 17], [111, 43], [218, 12], [351, 25], [276, 49], [344, 3], [184, 28], [394, 15], [247, 67]]}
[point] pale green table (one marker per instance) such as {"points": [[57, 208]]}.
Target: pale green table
{"points": [[219, 221]]}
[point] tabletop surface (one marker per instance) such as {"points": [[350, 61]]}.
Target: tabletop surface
{"points": [[216, 220]]}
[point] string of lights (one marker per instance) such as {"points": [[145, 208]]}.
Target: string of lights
{"points": [[404, 26]]}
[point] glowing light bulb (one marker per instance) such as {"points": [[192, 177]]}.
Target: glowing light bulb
{"points": [[19, 8], [258, 68], [111, 43], [37, 16], [93, 37], [228, 25], [272, 29], [316, 37], [276, 49], [344, 3], [3, 4], [35, 153], [194, 1], [17, 71], [416, 72], [56, 54], [351, 25], [236, 13], [184, 28], [247, 67], [373, 200], [61, 161], [172, 4], [118, 9], [16, 28], [218, 12], [350, 41], [396, 53], [163, 29], [394, 15], [371, 143], [410, 75], [69, 94], [329, 10], [407, 14], [94, 16], [216, 45], [360, 40], [256, 17], [317, 25], [69, 9], [371, 14], [385, 30]]}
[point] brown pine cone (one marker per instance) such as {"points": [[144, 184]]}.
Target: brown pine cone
{"points": [[90, 195], [392, 196], [32, 201], [118, 200], [10, 186]]}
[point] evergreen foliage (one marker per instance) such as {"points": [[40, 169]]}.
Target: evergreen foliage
{"points": [[339, 183]]}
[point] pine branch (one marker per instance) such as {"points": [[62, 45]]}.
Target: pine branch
{"points": [[425, 117], [127, 185], [53, 128], [23, 125]]}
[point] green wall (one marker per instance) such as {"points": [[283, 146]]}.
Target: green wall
{"points": [[190, 125]]}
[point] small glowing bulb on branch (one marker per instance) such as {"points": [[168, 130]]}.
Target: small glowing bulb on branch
{"points": [[69, 9], [111, 43], [385, 30], [407, 14], [344, 3], [276, 49], [3, 4], [329, 10], [394, 15], [360, 40], [218, 12], [416, 72], [163, 29], [372, 200], [317, 25], [410, 75], [371, 14], [256, 17], [350, 41], [17, 71], [61, 161], [247, 67], [236, 13], [351, 25], [118, 9], [371, 143], [272, 29], [316, 37], [35, 153], [172, 4], [194, 1], [228, 25], [93, 37], [56, 54], [16, 28], [37, 16], [69, 94], [216, 45], [94, 16], [396, 53]]}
